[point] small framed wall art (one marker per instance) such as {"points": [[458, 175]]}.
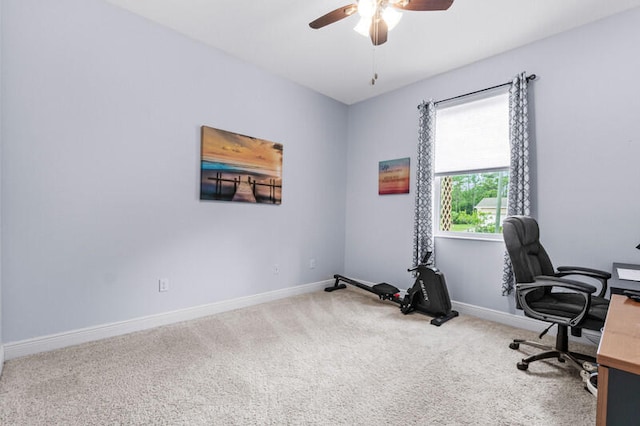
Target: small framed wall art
{"points": [[393, 176]]}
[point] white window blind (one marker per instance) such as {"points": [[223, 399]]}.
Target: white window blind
{"points": [[474, 135]]}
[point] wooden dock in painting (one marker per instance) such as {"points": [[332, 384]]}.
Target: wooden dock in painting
{"points": [[244, 192]]}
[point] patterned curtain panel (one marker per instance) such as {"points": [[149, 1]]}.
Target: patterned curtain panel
{"points": [[423, 224], [519, 188]]}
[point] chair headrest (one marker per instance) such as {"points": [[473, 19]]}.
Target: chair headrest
{"points": [[528, 258], [527, 229]]}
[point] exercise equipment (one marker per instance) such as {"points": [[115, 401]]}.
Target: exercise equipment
{"points": [[428, 295]]}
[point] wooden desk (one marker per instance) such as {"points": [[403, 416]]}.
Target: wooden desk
{"points": [[619, 364]]}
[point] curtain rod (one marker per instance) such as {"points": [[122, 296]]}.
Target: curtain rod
{"points": [[529, 78]]}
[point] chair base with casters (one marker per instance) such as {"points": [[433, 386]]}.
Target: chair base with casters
{"points": [[560, 352]]}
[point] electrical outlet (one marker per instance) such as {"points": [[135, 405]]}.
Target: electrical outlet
{"points": [[312, 263], [276, 269], [163, 284]]}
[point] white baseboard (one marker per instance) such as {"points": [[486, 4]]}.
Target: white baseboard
{"points": [[517, 321], [89, 334], [1, 358]]}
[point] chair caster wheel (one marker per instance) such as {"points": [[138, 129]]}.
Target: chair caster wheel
{"points": [[522, 366], [514, 345]]}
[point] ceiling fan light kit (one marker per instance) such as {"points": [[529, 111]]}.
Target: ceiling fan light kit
{"points": [[388, 15], [378, 17]]}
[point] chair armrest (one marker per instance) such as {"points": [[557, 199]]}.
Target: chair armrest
{"points": [[548, 281], [597, 274], [583, 289]]}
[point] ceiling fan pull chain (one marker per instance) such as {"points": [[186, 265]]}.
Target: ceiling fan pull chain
{"points": [[373, 67]]}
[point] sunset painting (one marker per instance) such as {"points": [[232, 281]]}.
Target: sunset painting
{"points": [[240, 168], [393, 176]]}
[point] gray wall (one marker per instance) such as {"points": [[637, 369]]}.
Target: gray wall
{"points": [[100, 172], [100, 137], [585, 161]]}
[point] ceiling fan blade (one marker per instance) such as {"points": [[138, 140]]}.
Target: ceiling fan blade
{"points": [[334, 16], [378, 31], [422, 5]]}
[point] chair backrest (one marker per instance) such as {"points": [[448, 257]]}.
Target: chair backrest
{"points": [[528, 257]]}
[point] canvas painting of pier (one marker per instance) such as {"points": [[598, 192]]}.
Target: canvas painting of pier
{"points": [[240, 168], [393, 176]]}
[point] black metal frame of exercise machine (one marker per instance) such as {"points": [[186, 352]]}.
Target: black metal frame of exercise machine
{"points": [[428, 295]]}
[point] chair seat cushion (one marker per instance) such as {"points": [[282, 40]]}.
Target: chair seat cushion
{"points": [[569, 305]]}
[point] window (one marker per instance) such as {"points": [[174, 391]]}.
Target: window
{"points": [[472, 163]]}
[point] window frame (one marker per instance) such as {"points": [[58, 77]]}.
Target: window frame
{"points": [[493, 236]]}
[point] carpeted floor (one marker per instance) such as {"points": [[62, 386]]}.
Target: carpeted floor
{"points": [[341, 358]]}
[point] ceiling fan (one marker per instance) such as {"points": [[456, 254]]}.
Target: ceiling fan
{"points": [[378, 17]]}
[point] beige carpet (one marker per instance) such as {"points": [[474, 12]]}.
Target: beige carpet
{"points": [[341, 358]]}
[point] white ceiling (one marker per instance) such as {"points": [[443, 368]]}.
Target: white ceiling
{"points": [[338, 62]]}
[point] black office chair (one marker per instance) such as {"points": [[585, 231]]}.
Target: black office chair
{"points": [[542, 292]]}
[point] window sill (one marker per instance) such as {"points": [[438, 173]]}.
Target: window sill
{"points": [[471, 236]]}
